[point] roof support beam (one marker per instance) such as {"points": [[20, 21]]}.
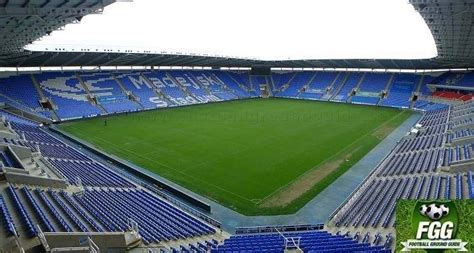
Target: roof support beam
{"points": [[34, 55], [73, 59], [152, 60], [50, 59], [114, 59], [34, 11], [95, 59]]}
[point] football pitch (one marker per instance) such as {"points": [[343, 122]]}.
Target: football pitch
{"points": [[258, 156]]}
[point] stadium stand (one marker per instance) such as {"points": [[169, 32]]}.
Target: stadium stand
{"points": [[242, 78], [20, 91], [319, 84], [216, 86], [6, 218], [451, 95], [351, 82], [453, 79], [432, 162], [401, 90], [67, 94], [308, 241], [295, 84], [281, 79], [54, 190], [108, 202], [371, 87], [108, 93], [239, 89], [108, 207], [413, 171], [78, 95], [137, 85]]}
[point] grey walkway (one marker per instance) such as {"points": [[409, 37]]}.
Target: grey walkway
{"points": [[319, 209]]}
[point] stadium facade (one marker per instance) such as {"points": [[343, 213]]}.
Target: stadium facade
{"points": [[56, 195]]}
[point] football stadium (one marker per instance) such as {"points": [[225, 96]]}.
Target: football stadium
{"points": [[113, 150]]}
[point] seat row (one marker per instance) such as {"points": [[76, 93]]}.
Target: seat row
{"points": [[307, 241], [379, 209]]}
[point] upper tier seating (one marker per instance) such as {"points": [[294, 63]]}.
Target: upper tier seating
{"points": [[428, 105], [462, 79], [451, 95]]}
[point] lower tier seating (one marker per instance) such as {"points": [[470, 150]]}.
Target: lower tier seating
{"points": [[311, 241]]}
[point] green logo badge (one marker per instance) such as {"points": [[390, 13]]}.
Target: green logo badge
{"points": [[434, 226]]}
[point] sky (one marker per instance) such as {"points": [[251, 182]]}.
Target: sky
{"points": [[259, 29]]}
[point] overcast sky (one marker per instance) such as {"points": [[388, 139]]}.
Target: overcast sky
{"points": [[263, 29]]}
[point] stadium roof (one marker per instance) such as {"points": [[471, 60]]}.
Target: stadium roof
{"points": [[24, 21], [21, 22]]}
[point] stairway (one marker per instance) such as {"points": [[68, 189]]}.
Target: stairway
{"points": [[362, 78], [356, 88], [53, 112], [331, 85], [224, 86], [89, 93], [245, 88], [156, 90], [180, 86], [196, 82], [417, 92], [270, 85], [387, 87], [335, 93], [420, 83], [129, 94], [200, 84], [38, 87], [286, 85], [306, 86], [250, 82]]}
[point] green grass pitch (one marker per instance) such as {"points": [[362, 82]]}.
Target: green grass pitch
{"points": [[258, 156]]}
